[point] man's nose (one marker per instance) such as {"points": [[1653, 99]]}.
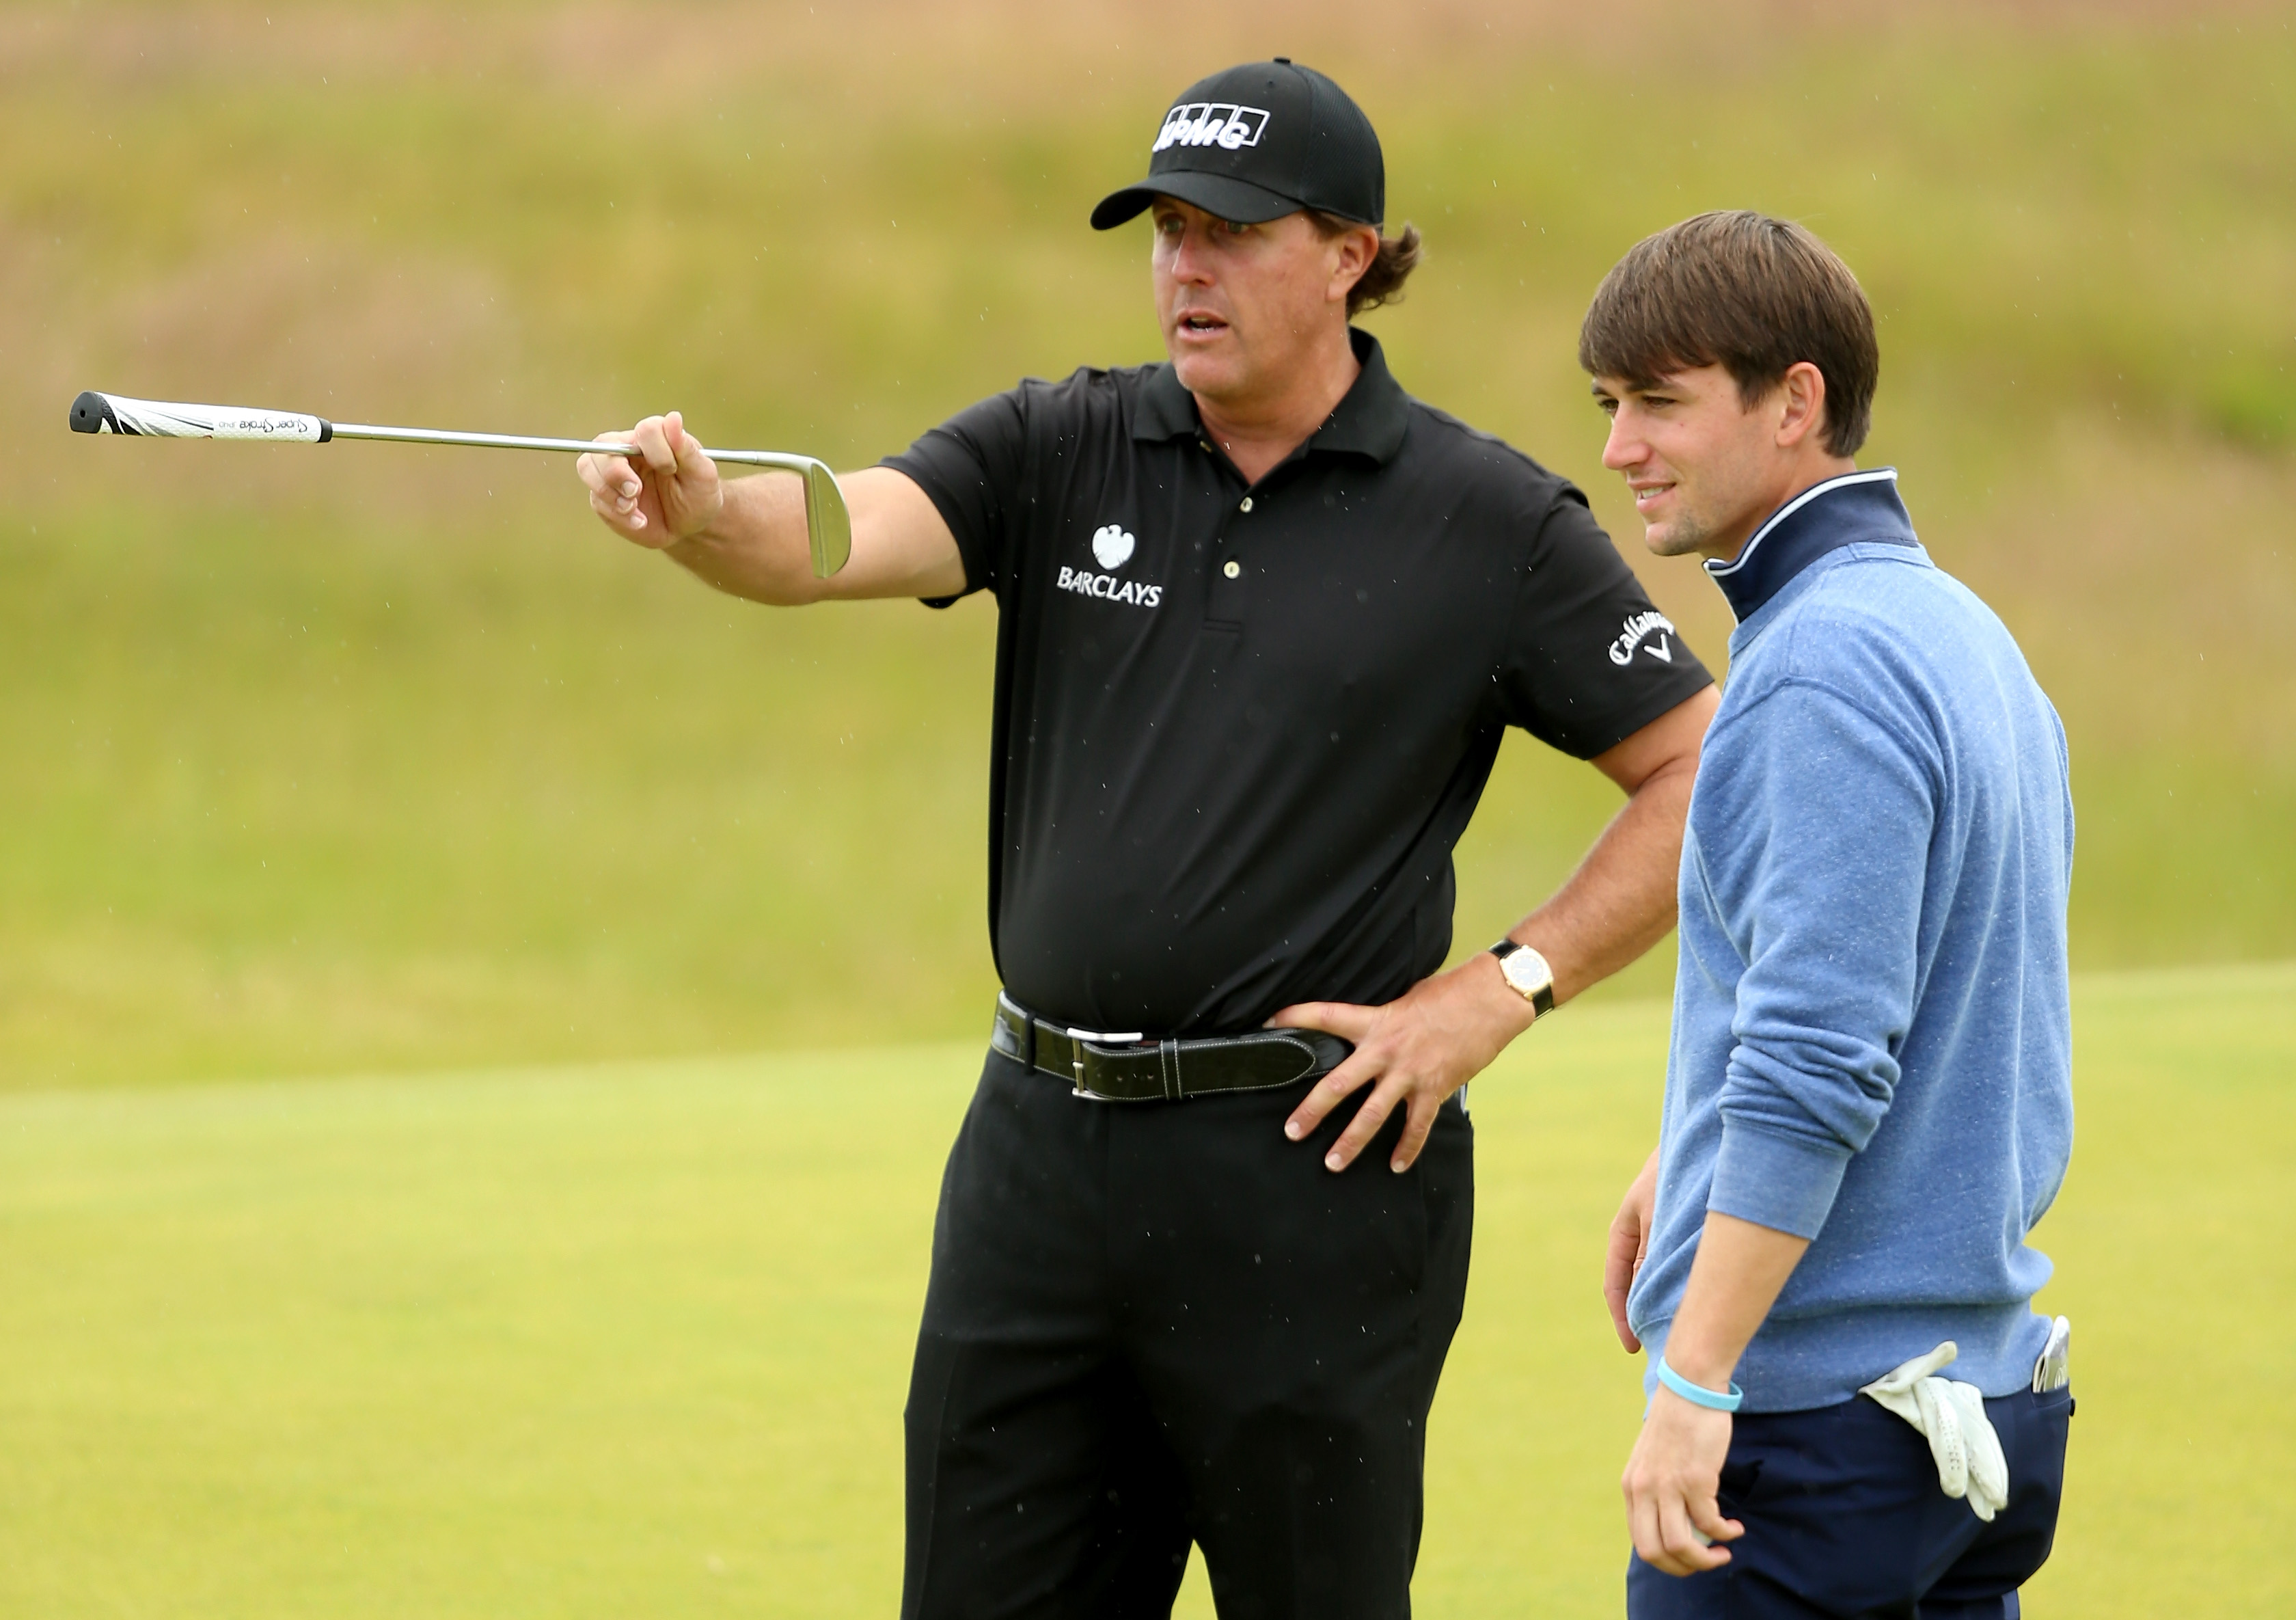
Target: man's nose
{"points": [[1624, 448], [1190, 262]]}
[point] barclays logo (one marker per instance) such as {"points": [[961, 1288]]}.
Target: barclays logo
{"points": [[1111, 546]]}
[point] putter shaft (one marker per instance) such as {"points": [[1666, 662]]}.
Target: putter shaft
{"points": [[829, 524], [520, 441]]}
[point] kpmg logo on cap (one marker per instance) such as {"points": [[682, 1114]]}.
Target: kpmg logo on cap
{"points": [[1222, 124]]}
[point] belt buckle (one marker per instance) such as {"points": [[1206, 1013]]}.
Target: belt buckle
{"points": [[1076, 1055]]}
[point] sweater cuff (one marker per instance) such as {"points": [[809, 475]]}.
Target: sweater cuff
{"points": [[1786, 1183]]}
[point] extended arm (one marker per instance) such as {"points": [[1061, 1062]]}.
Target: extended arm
{"points": [[747, 536], [1447, 1029], [1675, 1475]]}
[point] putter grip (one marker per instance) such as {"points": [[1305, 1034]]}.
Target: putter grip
{"points": [[91, 413], [95, 413]]}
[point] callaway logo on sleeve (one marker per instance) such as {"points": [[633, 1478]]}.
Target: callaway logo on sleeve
{"points": [[1638, 629]]}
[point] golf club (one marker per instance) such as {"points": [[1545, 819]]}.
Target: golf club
{"points": [[828, 525]]}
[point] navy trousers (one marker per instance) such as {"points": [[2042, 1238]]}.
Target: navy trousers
{"points": [[1844, 1521]]}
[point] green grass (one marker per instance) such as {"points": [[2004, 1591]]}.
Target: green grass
{"points": [[373, 758], [634, 1339]]}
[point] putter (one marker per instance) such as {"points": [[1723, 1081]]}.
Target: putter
{"points": [[828, 525]]}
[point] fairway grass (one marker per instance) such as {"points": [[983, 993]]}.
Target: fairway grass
{"points": [[633, 1340]]}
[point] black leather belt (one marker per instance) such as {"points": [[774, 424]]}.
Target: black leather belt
{"points": [[1128, 1069]]}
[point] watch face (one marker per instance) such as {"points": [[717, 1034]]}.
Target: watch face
{"points": [[1525, 970]]}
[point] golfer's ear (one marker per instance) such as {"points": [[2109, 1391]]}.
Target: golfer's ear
{"points": [[1805, 412]]}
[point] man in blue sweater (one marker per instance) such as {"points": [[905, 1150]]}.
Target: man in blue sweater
{"points": [[1869, 1100]]}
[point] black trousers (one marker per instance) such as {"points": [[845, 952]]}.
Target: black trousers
{"points": [[1151, 1324]]}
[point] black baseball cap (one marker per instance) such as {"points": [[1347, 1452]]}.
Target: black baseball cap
{"points": [[1259, 142]]}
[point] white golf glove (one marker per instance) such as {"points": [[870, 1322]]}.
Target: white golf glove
{"points": [[1952, 1415]]}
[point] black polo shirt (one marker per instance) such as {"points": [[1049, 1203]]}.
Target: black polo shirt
{"points": [[1238, 729]]}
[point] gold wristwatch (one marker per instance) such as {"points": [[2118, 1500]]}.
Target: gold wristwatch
{"points": [[1527, 973]]}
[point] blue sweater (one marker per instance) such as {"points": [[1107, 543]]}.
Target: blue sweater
{"points": [[1872, 1044]]}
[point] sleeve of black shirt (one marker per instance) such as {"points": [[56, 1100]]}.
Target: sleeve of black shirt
{"points": [[1588, 661], [970, 467]]}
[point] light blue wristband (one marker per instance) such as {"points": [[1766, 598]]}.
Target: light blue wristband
{"points": [[1698, 1395]]}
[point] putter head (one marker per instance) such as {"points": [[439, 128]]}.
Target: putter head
{"points": [[828, 524]]}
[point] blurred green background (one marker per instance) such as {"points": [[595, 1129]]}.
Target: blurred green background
{"points": [[369, 757], [363, 758]]}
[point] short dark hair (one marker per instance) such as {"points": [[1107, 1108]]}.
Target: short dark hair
{"points": [[1382, 282], [1752, 294]]}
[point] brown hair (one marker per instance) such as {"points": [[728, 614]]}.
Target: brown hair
{"points": [[1381, 283], [1751, 294]]}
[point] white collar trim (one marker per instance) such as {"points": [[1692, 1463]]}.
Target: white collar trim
{"points": [[1878, 475]]}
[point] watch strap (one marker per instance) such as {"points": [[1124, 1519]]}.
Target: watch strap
{"points": [[1541, 996]]}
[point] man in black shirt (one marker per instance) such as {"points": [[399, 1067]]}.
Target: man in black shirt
{"points": [[1263, 620]]}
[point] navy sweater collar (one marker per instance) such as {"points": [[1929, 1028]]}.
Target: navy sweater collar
{"points": [[1856, 507]]}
